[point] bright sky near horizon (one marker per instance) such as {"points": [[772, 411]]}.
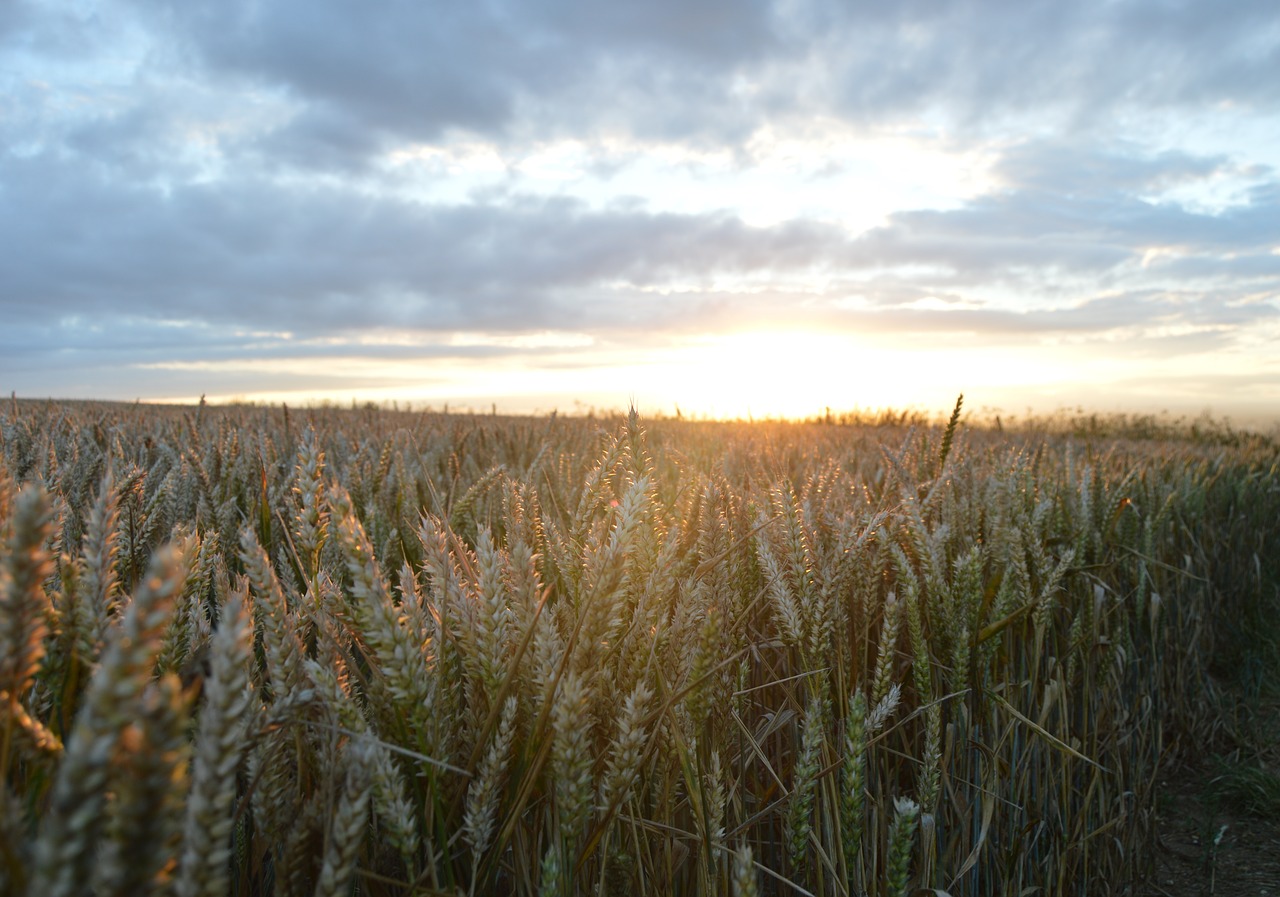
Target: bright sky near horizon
{"points": [[739, 207]]}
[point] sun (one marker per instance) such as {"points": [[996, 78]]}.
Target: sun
{"points": [[795, 373], [783, 373]]}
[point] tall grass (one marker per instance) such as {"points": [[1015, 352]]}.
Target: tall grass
{"points": [[248, 650]]}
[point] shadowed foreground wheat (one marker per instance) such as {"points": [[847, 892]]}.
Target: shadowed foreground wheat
{"points": [[434, 654]]}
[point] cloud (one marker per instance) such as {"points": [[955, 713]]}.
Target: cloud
{"points": [[361, 78], [333, 259], [328, 260], [1076, 169], [47, 29], [1075, 64], [1146, 314], [364, 76], [1093, 220]]}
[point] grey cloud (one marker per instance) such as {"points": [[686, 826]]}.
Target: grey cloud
{"points": [[128, 357], [14, 18], [1141, 318], [324, 257], [254, 253], [1242, 268], [1145, 309], [1081, 62], [416, 70], [708, 71], [1077, 169], [1091, 225], [56, 30], [139, 143], [327, 260], [140, 341], [114, 380], [321, 136]]}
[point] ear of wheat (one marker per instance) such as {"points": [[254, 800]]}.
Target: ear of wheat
{"points": [[437, 654]]}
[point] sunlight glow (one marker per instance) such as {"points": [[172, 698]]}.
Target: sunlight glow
{"points": [[750, 374], [802, 373]]}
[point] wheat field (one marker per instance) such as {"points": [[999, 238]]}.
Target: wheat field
{"points": [[248, 650]]}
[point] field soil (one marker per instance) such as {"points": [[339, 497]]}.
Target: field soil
{"points": [[1209, 844], [1246, 861]]}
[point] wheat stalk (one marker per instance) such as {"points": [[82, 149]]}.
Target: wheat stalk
{"points": [[64, 849], [219, 745]]}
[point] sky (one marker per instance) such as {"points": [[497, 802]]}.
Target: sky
{"points": [[730, 207]]}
